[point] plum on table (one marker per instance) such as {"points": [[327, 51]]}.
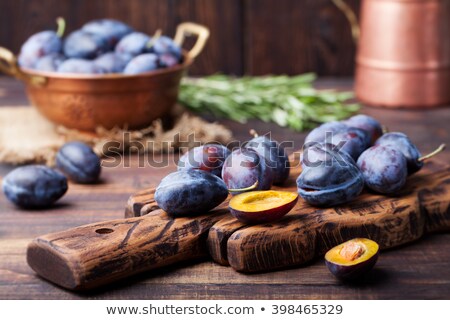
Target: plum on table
{"points": [[366, 123], [209, 157]]}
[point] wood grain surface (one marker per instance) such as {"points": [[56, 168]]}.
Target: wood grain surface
{"points": [[247, 36], [420, 270]]}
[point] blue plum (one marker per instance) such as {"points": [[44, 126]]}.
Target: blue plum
{"points": [[37, 46], [190, 192], [34, 186], [351, 140], [83, 45], [402, 143], [164, 44], [143, 63], [329, 177], [110, 30], [111, 62], [81, 66], [366, 123], [245, 167], [275, 156], [79, 162], [384, 169], [167, 60], [50, 62], [132, 44], [209, 157], [320, 133]]}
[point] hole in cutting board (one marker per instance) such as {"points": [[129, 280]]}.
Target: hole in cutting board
{"points": [[104, 230]]}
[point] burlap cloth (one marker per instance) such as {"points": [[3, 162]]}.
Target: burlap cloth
{"points": [[27, 137]]}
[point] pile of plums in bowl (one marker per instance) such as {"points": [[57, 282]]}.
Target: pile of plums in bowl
{"points": [[99, 47]]}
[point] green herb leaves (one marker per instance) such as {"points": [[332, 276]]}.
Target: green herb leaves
{"points": [[288, 101]]}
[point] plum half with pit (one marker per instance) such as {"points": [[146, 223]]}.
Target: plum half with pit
{"points": [[274, 154], [329, 177], [245, 170], [384, 169], [40, 45], [190, 192], [262, 206], [209, 157], [352, 259]]}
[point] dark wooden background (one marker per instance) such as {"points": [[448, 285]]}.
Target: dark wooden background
{"points": [[247, 36]]}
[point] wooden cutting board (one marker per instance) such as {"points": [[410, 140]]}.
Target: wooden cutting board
{"points": [[308, 232], [89, 256]]}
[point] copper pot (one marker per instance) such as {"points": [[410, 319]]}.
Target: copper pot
{"points": [[85, 102], [403, 57]]}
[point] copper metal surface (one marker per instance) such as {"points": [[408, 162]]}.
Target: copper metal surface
{"points": [[403, 57]]}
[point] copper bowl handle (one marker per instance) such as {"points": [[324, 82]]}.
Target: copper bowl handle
{"points": [[189, 28], [8, 65], [350, 15]]}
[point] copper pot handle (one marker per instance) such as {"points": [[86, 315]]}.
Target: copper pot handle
{"points": [[8, 65], [189, 28], [351, 17]]}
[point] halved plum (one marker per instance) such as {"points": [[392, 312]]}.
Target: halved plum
{"points": [[352, 259], [262, 206]]}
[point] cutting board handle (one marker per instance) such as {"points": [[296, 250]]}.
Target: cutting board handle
{"points": [[93, 255]]}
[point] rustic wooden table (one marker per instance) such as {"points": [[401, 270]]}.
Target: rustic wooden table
{"points": [[419, 270]]}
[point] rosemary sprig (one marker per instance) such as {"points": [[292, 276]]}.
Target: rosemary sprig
{"points": [[288, 101]]}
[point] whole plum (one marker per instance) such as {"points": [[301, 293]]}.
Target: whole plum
{"points": [[366, 123], [245, 168], [329, 177], [164, 44], [275, 156], [209, 157], [79, 66], [351, 140], [321, 133], [79, 162], [34, 186], [190, 192], [111, 62], [143, 63], [167, 60], [83, 45], [132, 44], [110, 30], [384, 169], [50, 62]]}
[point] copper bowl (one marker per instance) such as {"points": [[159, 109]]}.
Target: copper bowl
{"points": [[85, 102]]}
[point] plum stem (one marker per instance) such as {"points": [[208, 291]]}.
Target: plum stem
{"points": [[155, 37], [61, 26], [384, 129], [252, 187], [433, 153], [254, 133]]}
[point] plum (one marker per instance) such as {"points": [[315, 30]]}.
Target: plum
{"points": [[164, 44], [167, 60], [366, 123], [244, 170], [262, 206], [143, 63], [384, 169], [41, 44], [79, 162], [274, 154], [34, 186], [111, 62], [79, 66], [132, 44], [320, 133], [83, 45], [209, 157], [329, 177], [351, 140], [50, 62], [110, 30], [190, 192], [352, 259]]}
